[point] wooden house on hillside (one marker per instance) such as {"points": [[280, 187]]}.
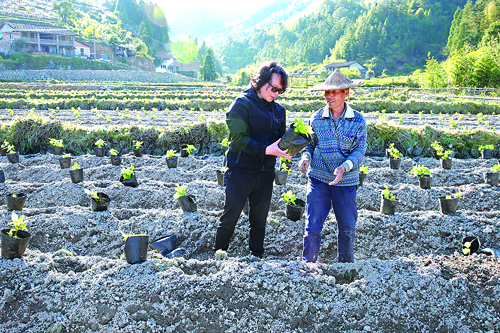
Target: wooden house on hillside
{"points": [[37, 39], [348, 64]]}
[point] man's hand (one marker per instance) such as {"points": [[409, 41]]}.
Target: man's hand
{"points": [[304, 165], [338, 172], [273, 149]]}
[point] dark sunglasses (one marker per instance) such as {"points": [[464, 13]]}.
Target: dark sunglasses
{"points": [[274, 89]]}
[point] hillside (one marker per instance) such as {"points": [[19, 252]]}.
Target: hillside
{"points": [[389, 34]]}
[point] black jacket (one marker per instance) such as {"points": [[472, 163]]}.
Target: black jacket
{"points": [[253, 125]]}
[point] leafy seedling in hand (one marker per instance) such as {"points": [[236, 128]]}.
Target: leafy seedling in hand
{"points": [[56, 143], [300, 127], [127, 173], [181, 191], [19, 224]]}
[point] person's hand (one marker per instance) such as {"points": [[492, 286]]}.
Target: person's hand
{"points": [[338, 172], [273, 149], [304, 165]]}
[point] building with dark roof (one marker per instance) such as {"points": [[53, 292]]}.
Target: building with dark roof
{"points": [[37, 39]]}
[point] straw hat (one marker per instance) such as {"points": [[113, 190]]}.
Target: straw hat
{"points": [[337, 80]]}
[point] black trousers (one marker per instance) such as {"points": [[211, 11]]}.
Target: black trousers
{"points": [[240, 185]]}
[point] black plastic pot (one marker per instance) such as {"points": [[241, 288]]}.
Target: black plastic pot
{"points": [[99, 152], [184, 152], [486, 154], [491, 178], [188, 203], [132, 182], [446, 164], [425, 182], [15, 203], [14, 247], [394, 163], [293, 141], [165, 245], [475, 244], [3, 151], [179, 252], [172, 162], [220, 177], [448, 206], [280, 177], [387, 154], [101, 206], [362, 177], [388, 206], [137, 152], [76, 175], [65, 162], [13, 158], [136, 249], [294, 213], [2, 176], [57, 150], [116, 160]]}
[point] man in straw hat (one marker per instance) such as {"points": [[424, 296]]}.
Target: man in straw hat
{"points": [[332, 163]]}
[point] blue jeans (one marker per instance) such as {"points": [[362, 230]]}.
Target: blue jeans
{"points": [[320, 198]]}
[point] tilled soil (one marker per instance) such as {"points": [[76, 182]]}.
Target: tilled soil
{"points": [[409, 273]]}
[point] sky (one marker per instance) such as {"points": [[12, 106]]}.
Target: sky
{"points": [[184, 17]]}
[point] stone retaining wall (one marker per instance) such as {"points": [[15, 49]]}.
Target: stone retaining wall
{"points": [[91, 75]]}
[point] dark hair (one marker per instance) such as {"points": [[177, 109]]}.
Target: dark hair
{"points": [[264, 74]]}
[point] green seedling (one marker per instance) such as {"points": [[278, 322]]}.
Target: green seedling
{"points": [[113, 152], [66, 155], [5, 144], [11, 149], [446, 154], [93, 195], [170, 153], [466, 247], [496, 168], [394, 152], [300, 127], [129, 234], [189, 149], [457, 195], [75, 166], [181, 191], [221, 255], [223, 169], [225, 143], [138, 144], [127, 173], [386, 193], [420, 171], [363, 169], [284, 167], [490, 147], [19, 224], [56, 143], [289, 198], [100, 143]]}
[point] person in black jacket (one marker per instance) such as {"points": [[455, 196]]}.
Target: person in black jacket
{"points": [[256, 124]]}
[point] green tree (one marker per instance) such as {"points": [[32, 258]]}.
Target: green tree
{"points": [[142, 34], [19, 45], [209, 71], [65, 11], [434, 74], [141, 49]]}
